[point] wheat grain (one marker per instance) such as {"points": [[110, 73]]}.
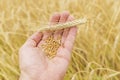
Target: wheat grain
{"points": [[51, 46]]}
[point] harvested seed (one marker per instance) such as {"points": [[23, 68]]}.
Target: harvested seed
{"points": [[51, 46]]}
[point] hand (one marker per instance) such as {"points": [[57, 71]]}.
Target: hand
{"points": [[34, 65]]}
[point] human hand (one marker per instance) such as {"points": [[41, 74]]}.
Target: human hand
{"points": [[34, 65]]}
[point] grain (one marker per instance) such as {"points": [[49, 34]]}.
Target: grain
{"points": [[51, 46]]}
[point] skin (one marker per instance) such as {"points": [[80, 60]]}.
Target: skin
{"points": [[34, 65]]}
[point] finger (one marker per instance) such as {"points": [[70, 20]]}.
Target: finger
{"points": [[34, 39], [70, 38], [63, 19], [66, 31], [53, 20]]}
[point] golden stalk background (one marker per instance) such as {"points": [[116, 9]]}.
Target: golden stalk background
{"points": [[96, 53]]}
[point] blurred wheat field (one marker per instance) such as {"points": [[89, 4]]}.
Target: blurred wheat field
{"points": [[96, 53]]}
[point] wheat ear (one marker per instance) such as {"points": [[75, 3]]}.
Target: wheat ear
{"points": [[64, 25]]}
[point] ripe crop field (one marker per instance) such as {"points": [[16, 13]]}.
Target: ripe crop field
{"points": [[96, 52]]}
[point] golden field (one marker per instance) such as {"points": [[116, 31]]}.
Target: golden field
{"points": [[96, 53]]}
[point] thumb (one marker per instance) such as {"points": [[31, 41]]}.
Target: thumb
{"points": [[34, 40]]}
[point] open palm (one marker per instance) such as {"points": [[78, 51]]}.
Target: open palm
{"points": [[34, 65]]}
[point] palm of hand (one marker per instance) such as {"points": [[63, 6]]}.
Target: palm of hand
{"points": [[35, 64]]}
